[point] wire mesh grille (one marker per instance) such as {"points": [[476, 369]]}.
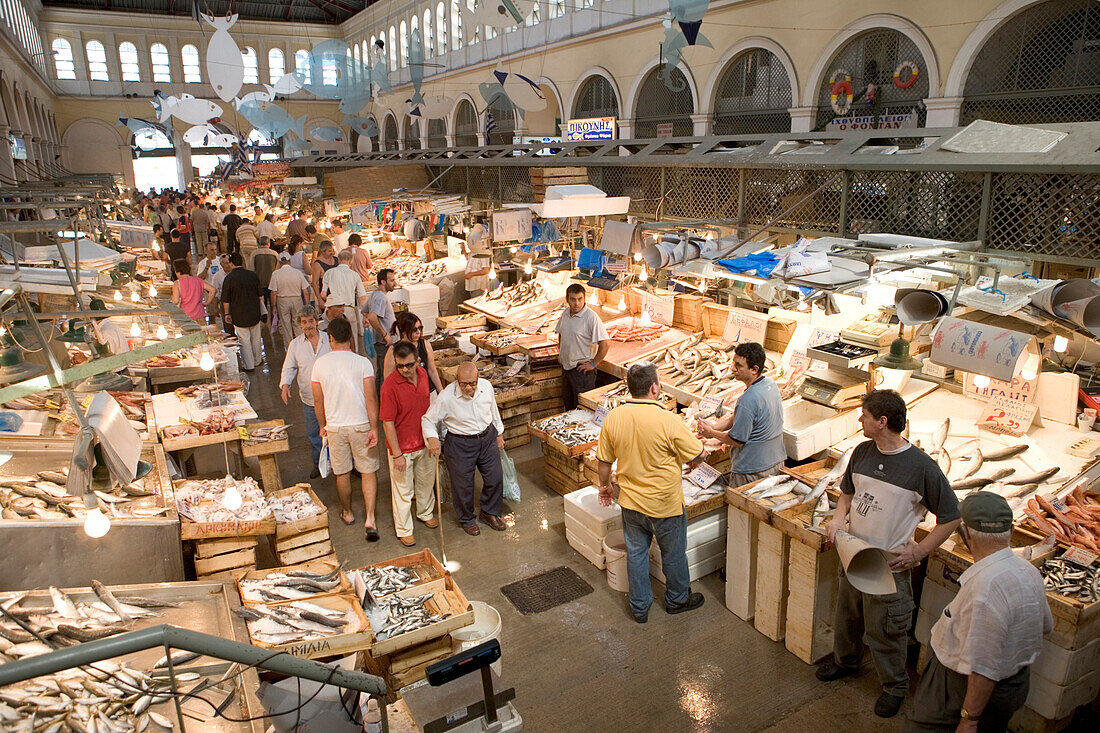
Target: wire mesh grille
{"points": [[1043, 65], [390, 130], [658, 104], [515, 184], [596, 99], [483, 183], [753, 95], [1049, 214], [938, 204], [466, 125], [871, 59], [437, 134], [412, 134]]}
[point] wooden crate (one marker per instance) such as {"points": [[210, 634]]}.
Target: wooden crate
{"points": [[570, 467], [558, 482], [447, 600], [811, 601], [428, 569], [243, 558], [516, 442], [687, 312], [741, 536], [318, 567], [715, 317], [209, 548], [779, 332], [462, 320], [209, 530], [568, 450], [772, 561], [516, 411], [251, 450], [356, 638], [403, 668]]}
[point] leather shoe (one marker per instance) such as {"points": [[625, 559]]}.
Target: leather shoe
{"points": [[315, 473], [431, 523], [830, 671], [887, 705], [694, 601], [407, 541], [471, 529], [493, 521]]}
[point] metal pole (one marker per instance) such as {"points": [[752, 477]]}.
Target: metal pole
{"points": [[845, 190], [57, 370], [983, 211]]}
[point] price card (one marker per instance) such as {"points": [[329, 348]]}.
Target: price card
{"points": [[821, 336], [710, 404], [1019, 389], [1079, 556], [242, 432], [52, 405], [1004, 415], [659, 307], [601, 414], [704, 475], [516, 368], [744, 326], [86, 401]]}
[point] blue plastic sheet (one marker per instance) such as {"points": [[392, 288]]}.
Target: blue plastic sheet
{"points": [[761, 264]]}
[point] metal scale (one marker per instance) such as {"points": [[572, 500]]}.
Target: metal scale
{"points": [[843, 380], [454, 701]]}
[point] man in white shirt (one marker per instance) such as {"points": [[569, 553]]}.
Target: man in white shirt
{"points": [[290, 290], [478, 260], [107, 331], [582, 344], [301, 353], [988, 637], [267, 228], [467, 410], [342, 293], [339, 236], [347, 414]]}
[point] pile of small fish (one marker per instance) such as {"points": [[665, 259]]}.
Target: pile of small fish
{"points": [[403, 615], [497, 375], [620, 394], [206, 400], [385, 580], [785, 492], [221, 385], [202, 500], [165, 360], [268, 434], [501, 339], [517, 295], [1074, 520], [575, 435], [1070, 579], [555, 423], [407, 269], [698, 366], [43, 496], [466, 320], [635, 333], [294, 507], [291, 585], [132, 403], [218, 421], [293, 621]]}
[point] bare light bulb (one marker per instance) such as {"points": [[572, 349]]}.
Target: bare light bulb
{"points": [[492, 273], [1061, 343], [135, 330], [981, 381], [96, 524], [1028, 374], [232, 499], [514, 249], [206, 363], [152, 292], [637, 256], [134, 297], [118, 296], [162, 332], [645, 320], [527, 269], [622, 303]]}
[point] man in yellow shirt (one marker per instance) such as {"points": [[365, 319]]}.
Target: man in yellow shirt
{"points": [[650, 445]]}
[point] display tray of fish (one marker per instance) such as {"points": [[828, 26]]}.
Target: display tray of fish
{"points": [[1072, 520], [297, 621], [576, 437], [55, 402], [407, 269], [636, 333], [554, 423], [218, 421], [268, 434], [378, 581], [619, 394], [515, 296], [699, 366], [309, 580], [205, 500], [42, 497], [1069, 579], [208, 400], [295, 506], [397, 615], [222, 385]]}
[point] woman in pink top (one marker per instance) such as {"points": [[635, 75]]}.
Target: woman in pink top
{"points": [[188, 292]]}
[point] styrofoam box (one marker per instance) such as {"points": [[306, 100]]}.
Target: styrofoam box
{"points": [[1053, 701], [427, 315], [696, 570], [587, 552], [422, 293], [1062, 666], [809, 428], [583, 534], [694, 554], [584, 506]]}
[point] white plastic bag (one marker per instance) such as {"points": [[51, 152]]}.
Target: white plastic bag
{"points": [[322, 461], [511, 479]]}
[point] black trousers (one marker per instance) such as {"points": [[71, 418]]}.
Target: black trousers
{"points": [[940, 695], [463, 456], [576, 382]]}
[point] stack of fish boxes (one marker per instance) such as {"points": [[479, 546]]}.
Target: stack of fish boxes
{"points": [[306, 539], [706, 546], [587, 523]]}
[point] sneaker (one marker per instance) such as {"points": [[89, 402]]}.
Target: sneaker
{"points": [[693, 602], [315, 473], [887, 705], [830, 671], [640, 619]]}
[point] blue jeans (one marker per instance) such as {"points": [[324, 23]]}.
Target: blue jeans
{"points": [[313, 431], [671, 533]]}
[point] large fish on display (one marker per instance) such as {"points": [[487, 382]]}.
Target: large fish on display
{"points": [[224, 65], [496, 13], [365, 126], [186, 108], [524, 93], [328, 133]]}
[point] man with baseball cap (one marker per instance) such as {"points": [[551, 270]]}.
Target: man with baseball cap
{"points": [[290, 291], [989, 635]]}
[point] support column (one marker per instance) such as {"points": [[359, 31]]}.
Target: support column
{"points": [[802, 118], [626, 129], [943, 111], [700, 124], [451, 141], [126, 164], [7, 164]]}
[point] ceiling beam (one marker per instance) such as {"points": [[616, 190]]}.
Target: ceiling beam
{"points": [[323, 9], [289, 7]]}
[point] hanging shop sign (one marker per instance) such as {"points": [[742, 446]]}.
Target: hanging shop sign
{"points": [[593, 128], [868, 122], [272, 171], [664, 129]]}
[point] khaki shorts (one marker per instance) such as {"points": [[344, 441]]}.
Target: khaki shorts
{"points": [[347, 447]]}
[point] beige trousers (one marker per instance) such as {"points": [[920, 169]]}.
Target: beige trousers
{"points": [[418, 479], [288, 307]]}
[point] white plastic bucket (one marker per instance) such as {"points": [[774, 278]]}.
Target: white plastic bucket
{"points": [[486, 626], [614, 554]]}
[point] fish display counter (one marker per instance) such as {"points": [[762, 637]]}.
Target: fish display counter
{"points": [[42, 534], [48, 414]]}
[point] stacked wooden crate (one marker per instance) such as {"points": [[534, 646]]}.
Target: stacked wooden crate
{"points": [[516, 415], [542, 178], [306, 539], [562, 472], [223, 558], [687, 312], [547, 374]]}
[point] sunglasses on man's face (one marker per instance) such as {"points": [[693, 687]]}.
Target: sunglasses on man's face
{"points": [[406, 365]]}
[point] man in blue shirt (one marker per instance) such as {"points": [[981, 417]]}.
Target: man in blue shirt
{"points": [[756, 425]]}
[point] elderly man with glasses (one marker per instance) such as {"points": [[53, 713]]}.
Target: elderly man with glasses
{"points": [[301, 352], [406, 395]]}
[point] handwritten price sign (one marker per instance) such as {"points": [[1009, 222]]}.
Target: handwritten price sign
{"points": [[660, 307], [1003, 415], [744, 326]]}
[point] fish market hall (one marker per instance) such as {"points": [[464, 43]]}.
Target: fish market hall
{"points": [[379, 366]]}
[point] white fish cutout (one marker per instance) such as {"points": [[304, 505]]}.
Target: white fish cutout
{"points": [[497, 13], [434, 107], [208, 136], [286, 84], [186, 108], [253, 98], [224, 65], [523, 92], [328, 133]]}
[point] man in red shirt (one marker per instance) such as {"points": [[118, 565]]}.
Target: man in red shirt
{"points": [[404, 400]]}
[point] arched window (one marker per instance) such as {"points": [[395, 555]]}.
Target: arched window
{"points": [[596, 98], [555, 9], [302, 64], [437, 134], [412, 134], [473, 35], [428, 40], [128, 60], [97, 61], [190, 56], [753, 95], [657, 104], [870, 59], [1039, 67], [63, 59], [390, 132], [504, 123], [355, 54], [404, 44], [251, 65], [393, 49], [535, 16], [158, 52], [275, 65], [329, 75], [441, 29], [456, 26], [466, 125]]}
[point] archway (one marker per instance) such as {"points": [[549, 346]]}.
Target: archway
{"points": [[411, 133], [466, 131], [154, 160], [657, 104], [389, 133], [753, 95], [437, 133], [545, 122], [596, 97], [503, 123]]}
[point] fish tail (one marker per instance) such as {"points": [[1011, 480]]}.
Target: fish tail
{"points": [[417, 98], [299, 124]]}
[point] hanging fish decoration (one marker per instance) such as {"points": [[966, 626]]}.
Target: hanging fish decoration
{"points": [[146, 130], [496, 13], [416, 65], [208, 136], [523, 92], [364, 126], [286, 84], [271, 119], [224, 65], [328, 133], [185, 108], [681, 26]]}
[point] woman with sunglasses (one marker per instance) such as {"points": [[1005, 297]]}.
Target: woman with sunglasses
{"points": [[408, 327]]}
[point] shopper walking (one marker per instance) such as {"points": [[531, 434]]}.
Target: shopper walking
{"points": [[361, 262], [265, 227], [378, 315], [322, 263], [264, 262], [290, 291], [241, 303], [987, 638], [176, 249], [408, 327], [885, 491], [755, 428], [297, 225], [347, 414], [343, 294], [194, 295], [404, 402], [202, 219], [582, 344], [301, 353], [231, 222], [467, 409], [479, 261], [247, 241], [340, 236], [651, 445]]}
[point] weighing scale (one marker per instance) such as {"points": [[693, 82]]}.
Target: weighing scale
{"points": [[453, 699], [604, 281], [555, 264], [833, 386]]}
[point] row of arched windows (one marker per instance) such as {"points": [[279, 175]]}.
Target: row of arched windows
{"points": [[22, 26]]}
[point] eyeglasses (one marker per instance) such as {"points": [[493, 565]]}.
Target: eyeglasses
{"points": [[408, 365], [467, 384]]}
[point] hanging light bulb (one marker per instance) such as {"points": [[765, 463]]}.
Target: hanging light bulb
{"points": [[118, 296], [622, 303], [135, 330], [1028, 374], [134, 297], [96, 524], [492, 273], [232, 499], [637, 256], [162, 332], [206, 363], [1061, 343], [514, 249], [981, 381], [152, 292], [645, 320], [527, 269]]}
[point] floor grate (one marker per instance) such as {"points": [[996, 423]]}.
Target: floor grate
{"points": [[542, 592]]}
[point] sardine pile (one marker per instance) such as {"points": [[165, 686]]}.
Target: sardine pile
{"points": [[268, 434], [386, 580], [202, 500], [206, 400], [293, 507], [43, 496], [555, 423], [516, 296], [621, 394], [1072, 580], [403, 615], [501, 339], [293, 622], [575, 435], [407, 269], [292, 585]]}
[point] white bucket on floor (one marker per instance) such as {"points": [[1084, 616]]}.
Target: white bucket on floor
{"points": [[614, 554], [486, 626]]}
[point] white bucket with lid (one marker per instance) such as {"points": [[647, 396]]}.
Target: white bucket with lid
{"points": [[486, 626], [614, 554]]}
